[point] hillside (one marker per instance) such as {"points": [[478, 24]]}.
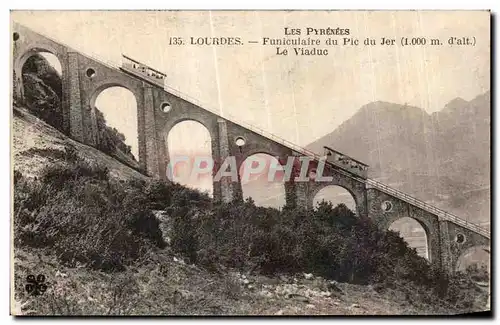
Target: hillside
{"points": [[172, 287], [161, 281], [34, 143], [442, 158]]}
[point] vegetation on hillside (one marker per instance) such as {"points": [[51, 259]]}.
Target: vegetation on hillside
{"points": [[43, 90], [106, 233], [328, 241], [110, 139], [77, 214]]}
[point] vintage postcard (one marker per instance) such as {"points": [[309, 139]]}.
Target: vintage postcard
{"points": [[250, 162]]}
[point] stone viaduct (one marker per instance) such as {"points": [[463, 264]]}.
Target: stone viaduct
{"points": [[159, 110]]}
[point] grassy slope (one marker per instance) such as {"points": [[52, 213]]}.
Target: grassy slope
{"points": [[163, 284], [29, 132]]}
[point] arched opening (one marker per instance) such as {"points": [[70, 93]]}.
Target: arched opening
{"points": [[190, 152], [335, 195], [115, 111], [413, 233], [262, 180], [42, 87], [477, 257]]}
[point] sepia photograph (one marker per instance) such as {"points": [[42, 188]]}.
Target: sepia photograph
{"points": [[250, 162]]}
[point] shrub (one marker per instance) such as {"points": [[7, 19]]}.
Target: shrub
{"points": [[78, 213], [60, 174], [329, 241], [75, 211]]}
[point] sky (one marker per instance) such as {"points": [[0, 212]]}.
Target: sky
{"points": [[298, 98]]}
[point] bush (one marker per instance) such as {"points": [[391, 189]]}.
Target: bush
{"points": [[60, 174], [75, 211], [329, 241], [78, 213]]}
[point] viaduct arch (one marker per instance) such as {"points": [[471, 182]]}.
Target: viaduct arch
{"points": [[83, 78]]}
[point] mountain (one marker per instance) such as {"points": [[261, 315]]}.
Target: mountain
{"points": [[442, 158]]}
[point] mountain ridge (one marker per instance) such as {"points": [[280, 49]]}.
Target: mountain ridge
{"points": [[438, 157]]}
